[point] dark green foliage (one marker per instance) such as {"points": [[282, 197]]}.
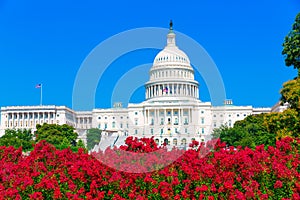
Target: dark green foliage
{"points": [[61, 136], [249, 132], [18, 138], [80, 144], [291, 45], [93, 137]]}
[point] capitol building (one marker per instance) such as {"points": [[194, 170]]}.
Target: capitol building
{"points": [[172, 111]]}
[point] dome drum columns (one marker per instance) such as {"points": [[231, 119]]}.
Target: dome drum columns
{"points": [[172, 90]]}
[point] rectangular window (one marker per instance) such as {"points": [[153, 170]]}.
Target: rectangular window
{"points": [[185, 130], [136, 132], [161, 131], [202, 120], [161, 121], [186, 121], [176, 121], [202, 130], [151, 131], [136, 122]]}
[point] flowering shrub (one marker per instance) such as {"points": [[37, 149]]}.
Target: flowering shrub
{"points": [[224, 173]]}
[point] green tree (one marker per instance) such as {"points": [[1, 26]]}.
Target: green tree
{"points": [[290, 93], [217, 131], [291, 46], [286, 123], [93, 137], [80, 144], [249, 132], [58, 135], [18, 138]]}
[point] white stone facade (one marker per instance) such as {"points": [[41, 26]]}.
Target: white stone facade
{"points": [[172, 111], [27, 117]]}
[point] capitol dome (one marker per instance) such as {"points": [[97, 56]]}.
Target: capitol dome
{"points": [[171, 54], [171, 74]]}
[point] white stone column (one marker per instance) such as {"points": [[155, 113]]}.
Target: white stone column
{"points": [[172, 116], [179, 116], [165, 115], [180, 90], [148, 117], [157, 116], [18, 118]]}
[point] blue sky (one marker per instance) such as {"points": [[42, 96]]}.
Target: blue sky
{"points": [[47, 41]]}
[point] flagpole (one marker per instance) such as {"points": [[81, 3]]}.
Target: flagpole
{"points": [[41, 100]]}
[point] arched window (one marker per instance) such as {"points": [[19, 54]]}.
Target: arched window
{"points": [[157, 141], [166, 141], [174, 141]]}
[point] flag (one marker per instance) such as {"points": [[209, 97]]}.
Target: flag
{"points": [[38, 85], [165, 89]]}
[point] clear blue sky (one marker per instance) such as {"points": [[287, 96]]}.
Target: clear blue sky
{"points": [[47, 41]]}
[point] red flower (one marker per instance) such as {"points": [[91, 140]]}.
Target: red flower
{"points": [[278, 184], [203, 188], [36, 196]]}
